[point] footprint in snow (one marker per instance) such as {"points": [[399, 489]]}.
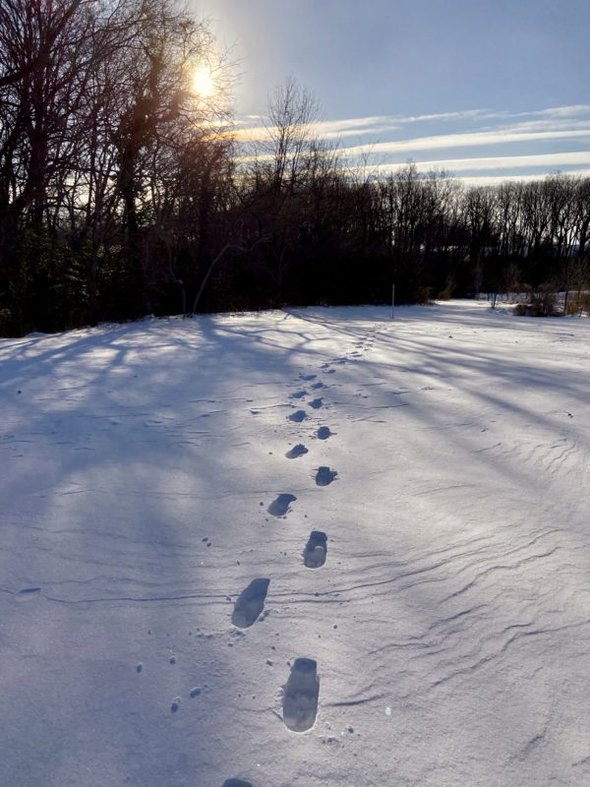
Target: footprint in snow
{"points": [[307, 377], [297, 416], [300, 697], [27, 594], [315, 386], [297, 450], [236, 783], [316, 403], [297, 395], [280, 506], [250, 603], [323, 433], [325, 476], [314, 554]]}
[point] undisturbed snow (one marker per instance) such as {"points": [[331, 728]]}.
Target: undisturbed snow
{"points": [[152, 471]]}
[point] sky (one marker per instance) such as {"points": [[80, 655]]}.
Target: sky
{"points": [[487, 89]]}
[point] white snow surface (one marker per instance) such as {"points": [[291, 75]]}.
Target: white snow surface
{"points": [[450, 621]]}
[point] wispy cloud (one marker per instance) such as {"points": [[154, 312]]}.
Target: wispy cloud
{"points": [[545, 124], [252, 127], [545, 161], [496, 180], [570, 111], [544, 136], [389, 123], [466, 140], [247, 131]]}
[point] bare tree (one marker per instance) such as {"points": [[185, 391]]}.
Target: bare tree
{"points": [[282, 166], [291, 114]]}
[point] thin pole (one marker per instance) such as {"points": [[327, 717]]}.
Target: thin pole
{"points": [[392, 300]]}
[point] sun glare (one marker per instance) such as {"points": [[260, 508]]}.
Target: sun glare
{"points": [[203, 83]]}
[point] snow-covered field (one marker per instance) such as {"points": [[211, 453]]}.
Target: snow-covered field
{"points": [[152, 471]]}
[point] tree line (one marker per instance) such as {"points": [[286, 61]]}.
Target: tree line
{"points": [[123, 192]]}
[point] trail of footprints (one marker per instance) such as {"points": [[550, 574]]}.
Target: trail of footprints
{"points": [[301, 692], [302, 689]]}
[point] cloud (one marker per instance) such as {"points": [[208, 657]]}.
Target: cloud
{"points": [[571, 111], [567, 118], [496, 180], [474, 179], [548, 119], [360, 126], [466, 140], [543, 160], [540, 125], [376, 139]]}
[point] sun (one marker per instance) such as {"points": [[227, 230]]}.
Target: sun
{"points": [[203, 82]]}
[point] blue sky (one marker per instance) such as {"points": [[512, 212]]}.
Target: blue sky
{"points": [[486, 88]]}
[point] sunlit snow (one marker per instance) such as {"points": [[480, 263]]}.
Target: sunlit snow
{"points": [[312, 547]]}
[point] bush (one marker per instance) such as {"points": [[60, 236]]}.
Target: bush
{"points": [[541, 304], [424, 296], [578, 303], [447, 293]]}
